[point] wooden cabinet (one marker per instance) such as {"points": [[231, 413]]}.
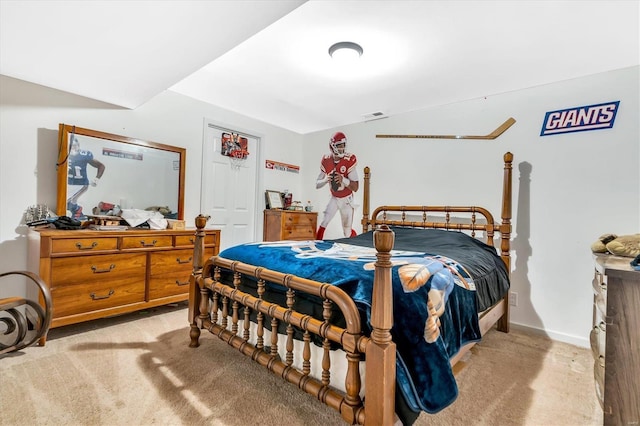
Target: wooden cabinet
{"points": [[615, 339], [94, 274], [289, 225]]}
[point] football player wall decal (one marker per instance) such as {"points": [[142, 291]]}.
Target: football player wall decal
{"points": [[338, 168], [78, 178]]}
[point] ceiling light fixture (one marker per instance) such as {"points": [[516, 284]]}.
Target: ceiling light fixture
{"points": [[345, 49]]}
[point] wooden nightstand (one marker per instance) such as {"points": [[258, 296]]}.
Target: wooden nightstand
{"points": [[289, 225]]}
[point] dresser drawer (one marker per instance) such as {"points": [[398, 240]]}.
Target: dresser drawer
{"points": [[170, 272], [166, 262], [90, 283], [147, 241], [289, 225], [83, 245], [188, 240], [598, 375], [169, 284], [298, 233], [169, 261], [600, 302], [599, 283], [300, 219], [598, 339]]}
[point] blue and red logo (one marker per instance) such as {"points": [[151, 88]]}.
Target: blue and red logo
{"points": [[580, 119]]}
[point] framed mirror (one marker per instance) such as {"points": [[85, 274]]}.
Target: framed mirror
{"points": [[98, 170]]}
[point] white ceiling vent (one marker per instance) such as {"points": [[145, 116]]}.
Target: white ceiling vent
{"points": [[374, 116]]}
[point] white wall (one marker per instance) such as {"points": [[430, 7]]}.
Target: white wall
{"points": [[568, 189], [29, 118]]}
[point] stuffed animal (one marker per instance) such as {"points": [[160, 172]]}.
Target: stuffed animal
{"points": [[625, 245]]}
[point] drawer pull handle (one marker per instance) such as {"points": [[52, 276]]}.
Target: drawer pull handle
{"points": [[180, 261], [92, 246], [101, 271], [94, 297], [192, 241], [152, 244], [181, 283]]}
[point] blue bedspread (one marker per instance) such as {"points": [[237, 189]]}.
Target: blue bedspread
{"points": [[424, 374]]}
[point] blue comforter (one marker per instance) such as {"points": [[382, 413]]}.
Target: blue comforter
{"points": [[424, 375]]}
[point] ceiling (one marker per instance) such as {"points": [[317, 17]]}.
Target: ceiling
{"points": [[268, 59]]}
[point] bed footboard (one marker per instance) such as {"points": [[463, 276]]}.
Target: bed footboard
{"points": [[249, 322]]}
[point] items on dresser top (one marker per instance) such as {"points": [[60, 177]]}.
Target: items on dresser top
{"points": [[94, 274], [615, 339]]}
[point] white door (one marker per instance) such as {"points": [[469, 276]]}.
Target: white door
{"points": [[229, 193]]}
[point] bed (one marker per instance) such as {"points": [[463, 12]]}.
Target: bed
{"points": [[371, 326]]}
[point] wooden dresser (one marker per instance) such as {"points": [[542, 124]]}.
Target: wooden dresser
{"points": [[95, 274], [289, 225], [615, 339]]}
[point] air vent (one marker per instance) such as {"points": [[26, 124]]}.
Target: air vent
{"points": [[374, 116]]}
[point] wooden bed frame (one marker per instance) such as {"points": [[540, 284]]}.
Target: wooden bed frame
{"points": [[224, 310]]}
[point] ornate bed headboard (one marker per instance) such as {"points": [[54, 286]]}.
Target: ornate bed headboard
{"points": [[461, 218]]}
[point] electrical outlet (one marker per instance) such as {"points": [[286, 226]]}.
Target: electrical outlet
{"points": [[513, 298]]}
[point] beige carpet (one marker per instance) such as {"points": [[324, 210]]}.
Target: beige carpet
{"points": [[137, 369]]}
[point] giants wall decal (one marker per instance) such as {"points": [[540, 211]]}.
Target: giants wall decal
{"points": [[580, 119]]}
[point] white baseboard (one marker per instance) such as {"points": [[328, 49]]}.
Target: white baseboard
{"points": [[582, 342]]}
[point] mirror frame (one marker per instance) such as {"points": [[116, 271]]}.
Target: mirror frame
{"points": [[65, 130]]}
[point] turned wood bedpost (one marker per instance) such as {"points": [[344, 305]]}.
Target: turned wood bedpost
{"points": [[194, 290], [366, 200], [381, 352], [505, 231]]}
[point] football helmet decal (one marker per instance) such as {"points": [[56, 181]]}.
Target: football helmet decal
{"points": [[338, 144]]}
